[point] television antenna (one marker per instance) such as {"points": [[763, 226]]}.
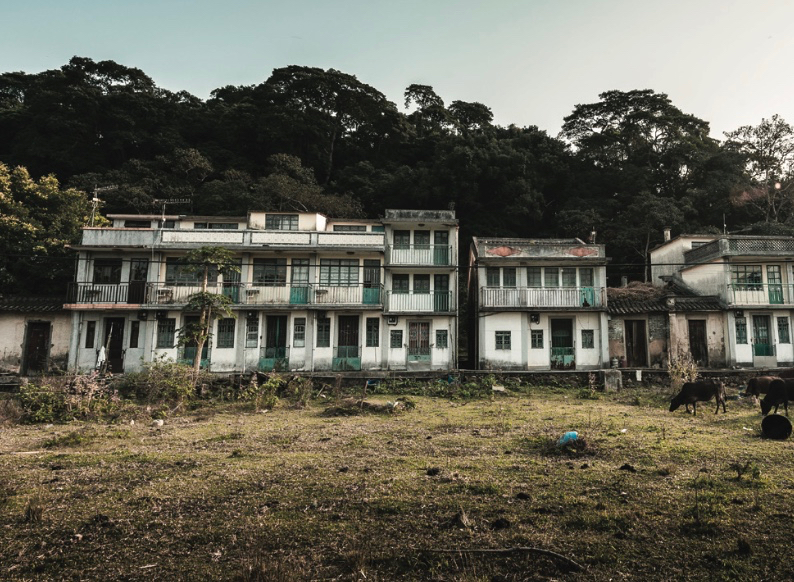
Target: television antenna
{"points": [[163, 202], [95, 199]]}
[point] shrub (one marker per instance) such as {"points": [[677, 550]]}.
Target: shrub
{"points": [[161, 379], [43, 403], [65, 398], [264, 395]]}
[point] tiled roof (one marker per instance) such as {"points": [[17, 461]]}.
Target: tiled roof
{"points": [[674, 296], [30, 304]]}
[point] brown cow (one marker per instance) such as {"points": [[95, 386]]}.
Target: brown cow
{"points": [[700, 391], [779, 393], [759, 385]]}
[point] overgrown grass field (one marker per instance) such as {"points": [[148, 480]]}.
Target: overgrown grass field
{"points": [[226, 493]]}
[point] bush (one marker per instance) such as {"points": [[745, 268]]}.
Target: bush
{"points": [[161, 380], [61, 399], [264, 395]]}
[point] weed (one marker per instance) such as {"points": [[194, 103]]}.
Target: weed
{"points": [[34, 510], [74, 438], [161, 379], [681, 368]]}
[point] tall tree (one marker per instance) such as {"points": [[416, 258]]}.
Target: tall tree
{"points": [[768, 150]]}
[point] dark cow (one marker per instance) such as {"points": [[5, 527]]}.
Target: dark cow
{"points": [[787, 373], [759, 385], [700, 391], [779, 392]]}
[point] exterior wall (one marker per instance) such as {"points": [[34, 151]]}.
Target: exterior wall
{"points": [[13, 337], [709, 279], [522, 356], [741, 354], [668, 258], [715, 336]]}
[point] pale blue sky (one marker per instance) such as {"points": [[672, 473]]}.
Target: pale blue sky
{"points": [[726, 61]]}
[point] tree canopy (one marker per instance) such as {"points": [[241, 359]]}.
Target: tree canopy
{"points": [[308, 138]]}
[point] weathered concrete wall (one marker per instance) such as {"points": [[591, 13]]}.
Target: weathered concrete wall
{"points": [[13, 327]]}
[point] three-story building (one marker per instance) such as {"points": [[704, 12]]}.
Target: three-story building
{"points": [[538, 304], [309, 293]]}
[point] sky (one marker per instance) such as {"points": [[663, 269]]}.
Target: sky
{"points": [[531, 61]]}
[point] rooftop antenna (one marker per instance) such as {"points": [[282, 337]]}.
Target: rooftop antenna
{"points": [[95, 199], [165, 201]]}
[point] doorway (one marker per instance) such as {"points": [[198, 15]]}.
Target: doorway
{"points": [[37, 348], [347, 356], [275, 355], [139, 269], [636, 343], [113, 341], [762, 340], [562, 348], [419, 344], [698, 342]]}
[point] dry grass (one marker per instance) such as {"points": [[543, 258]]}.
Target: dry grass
{"points": [[294, 494]]}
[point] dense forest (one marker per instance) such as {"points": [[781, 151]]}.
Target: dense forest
{"points": [[321, 140]]}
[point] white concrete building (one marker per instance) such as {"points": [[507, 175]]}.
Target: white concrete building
{"points": [[312, 293], [753, 276], [538, 304]]}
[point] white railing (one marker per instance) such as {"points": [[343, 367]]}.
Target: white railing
{"points": [[760, 294], [435, 302], [440, 255], [508, 297]]}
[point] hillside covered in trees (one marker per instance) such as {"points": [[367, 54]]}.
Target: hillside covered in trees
{"points": [[321, 140]]}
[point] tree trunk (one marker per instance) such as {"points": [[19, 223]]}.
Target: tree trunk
{"points": [[203, 318]]}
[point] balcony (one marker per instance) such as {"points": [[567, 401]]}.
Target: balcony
{"points": [[741, 246], [508, 298], [412, 302], [425, 255], [760, 294], [160, 294], [184, 238]]}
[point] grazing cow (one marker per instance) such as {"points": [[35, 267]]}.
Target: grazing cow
{"points": [[787, 373], [759, 385], [700, 391], [780, 392]]}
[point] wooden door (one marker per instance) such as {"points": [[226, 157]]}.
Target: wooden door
{"points": [[636, 343], [563, 352], [114, 344], [698, 343], [37, 348]]}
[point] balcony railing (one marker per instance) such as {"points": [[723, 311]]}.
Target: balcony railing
{"points": [[438, 255], [760, 294], [740, 246], [538, 297], [239, 293], [431, 302]]}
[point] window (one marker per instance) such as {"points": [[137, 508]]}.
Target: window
{"points": [[492, 277], [137, 224], [378, 228], [536, 336], [339, 272], [373, 332], [746, 277], [270, 272], [350, 228], [90, 333], [586, 277], [252, 332], [741, 330], [509, 277], [168, 224], [281, 222], [442, 342], [569, 277], [402, 239], [300, 272], [421, 283], [783, 335], [215, 225], [107, 271], [588, 339], [422, 238], [177, 272], [396, 339], [502, 340], [552, 275], [323, 332], [135, 332], [533, 277], [399, 283], [299, 333], [166, 328], [225, 333]]}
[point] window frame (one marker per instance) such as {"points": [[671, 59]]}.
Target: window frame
{"points": [[225, 335], [372, 332], [442, 339], [588, 339], [536, 339], [323, 339], [299, 332], [396, 339], [166, 333], [503, 340], [339, 272], [276, 221]]}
